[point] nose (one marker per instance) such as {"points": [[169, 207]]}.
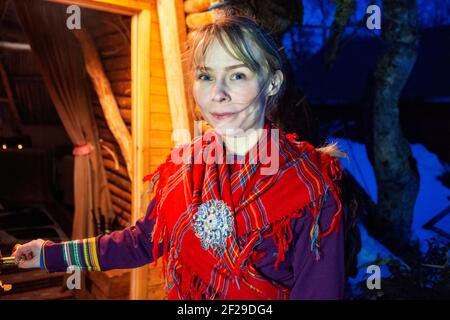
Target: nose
{"points": [[219, 93]]}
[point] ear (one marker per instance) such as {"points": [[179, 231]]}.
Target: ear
{"points": [[275, 85]]}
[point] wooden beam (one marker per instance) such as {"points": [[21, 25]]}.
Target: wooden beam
{"points": [[170, 44], [123, 7], [141, 29], [106, 96]]}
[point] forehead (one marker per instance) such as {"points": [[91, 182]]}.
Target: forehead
{"points": [[217, 56]]}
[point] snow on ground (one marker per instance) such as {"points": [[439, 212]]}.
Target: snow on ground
{"points": [[432, 198]]}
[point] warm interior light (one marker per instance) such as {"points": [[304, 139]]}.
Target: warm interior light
{"points": [[19, 146], [4, 147]]}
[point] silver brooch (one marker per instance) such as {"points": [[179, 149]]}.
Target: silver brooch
{"points": [[213, 224]]}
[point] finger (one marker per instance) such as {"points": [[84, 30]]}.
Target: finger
{"points": [[21, 253], [14, 250], [26, 264]]}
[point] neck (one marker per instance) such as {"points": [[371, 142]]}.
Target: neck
{"points": [[240, 145]]}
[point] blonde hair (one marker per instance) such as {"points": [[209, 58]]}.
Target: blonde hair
{"points": [[238, 35]]}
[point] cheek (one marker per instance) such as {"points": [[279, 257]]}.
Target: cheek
{"points": [[199, 94], [245, 93]]}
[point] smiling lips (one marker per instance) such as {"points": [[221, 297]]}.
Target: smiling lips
{"points": [[222, 115]]}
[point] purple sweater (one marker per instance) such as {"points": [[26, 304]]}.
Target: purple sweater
{"points": [[307, 277]]}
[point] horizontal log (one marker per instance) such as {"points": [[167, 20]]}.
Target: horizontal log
{"points": [[121, 203], [106, 155], [112, 41], [197, 20], [119, 75], [191, 6], [115, 52], [126, 195], [126, 115], [121, 212], [117, 63], [102, 29], [121, 88], [122, 222], [119, 181], [108, 25], [111, 166], [123, 102]]}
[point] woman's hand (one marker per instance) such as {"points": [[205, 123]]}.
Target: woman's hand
{"points": [[28, 255]]}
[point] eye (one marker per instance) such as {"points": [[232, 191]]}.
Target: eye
{"points": [[203, 77], [238, 76]]}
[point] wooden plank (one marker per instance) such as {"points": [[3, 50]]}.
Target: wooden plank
{"points": [[160, 104], [141, 35], [170, 40], [157, 68], [158, 87], [161, 139], [160, 121]]}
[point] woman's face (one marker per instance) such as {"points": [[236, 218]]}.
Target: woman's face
{"points": [[226, 90]]}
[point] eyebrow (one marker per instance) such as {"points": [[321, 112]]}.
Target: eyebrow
{"points": [[227, 68]]}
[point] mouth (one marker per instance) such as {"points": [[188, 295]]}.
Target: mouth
{"points": [[222, 115]]}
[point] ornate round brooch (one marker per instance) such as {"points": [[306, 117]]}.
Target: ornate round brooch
{"points": [[213, 224]]}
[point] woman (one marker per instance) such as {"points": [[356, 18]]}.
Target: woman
{"points": [[230, 220]]}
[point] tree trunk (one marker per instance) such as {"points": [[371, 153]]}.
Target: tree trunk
{"points": [[388, 150]]}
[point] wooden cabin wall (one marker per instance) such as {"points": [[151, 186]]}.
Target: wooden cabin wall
{"points": [[114, 50], [112, 41]]}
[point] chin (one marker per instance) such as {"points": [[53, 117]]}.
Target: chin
{"points": [[227, 129]]}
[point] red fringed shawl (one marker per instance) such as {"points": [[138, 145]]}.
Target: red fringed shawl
{"points": [[202, 265]]}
